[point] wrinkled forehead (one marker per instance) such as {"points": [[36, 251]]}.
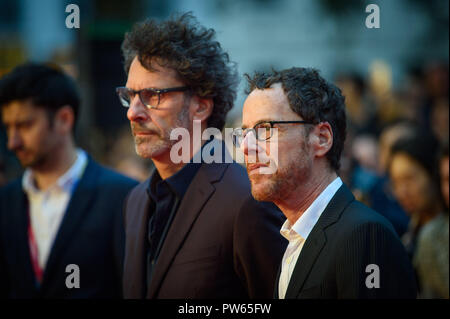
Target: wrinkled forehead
{"points": [[269, 104]]}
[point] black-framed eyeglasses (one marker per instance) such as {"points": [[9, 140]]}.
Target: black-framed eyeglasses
{"points": [[262, 131], [150, 97]]}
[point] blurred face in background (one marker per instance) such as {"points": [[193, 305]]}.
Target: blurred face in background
{"points": [[151, 127], [411, 184], [388, 138], [444, 168], [30, 134]]}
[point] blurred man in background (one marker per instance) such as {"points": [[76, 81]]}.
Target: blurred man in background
{"points": [[61, 227], [193, 229], [334, 240]]}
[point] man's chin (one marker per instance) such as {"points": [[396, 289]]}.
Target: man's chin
{"points": [[26, 164], [263, 196], [260, 191], [150, 152], [258, 179], [24, 159], [30, 162]]}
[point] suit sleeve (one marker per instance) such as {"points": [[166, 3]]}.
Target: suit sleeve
{"points": [[258, 247], [119, 234], [4, 278], [119, 244], [373, 264], [4, 284]]}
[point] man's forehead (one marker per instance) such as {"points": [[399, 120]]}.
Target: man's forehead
{"points": [[139, 76], [273, 95], [269, 103], [19, 110]]}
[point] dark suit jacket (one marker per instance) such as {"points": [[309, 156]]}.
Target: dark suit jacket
{"points": [[347, 237], [221, 244], [91, 235]]}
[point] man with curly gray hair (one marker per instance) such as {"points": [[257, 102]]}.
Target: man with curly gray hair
{"points": [[193, 229]]}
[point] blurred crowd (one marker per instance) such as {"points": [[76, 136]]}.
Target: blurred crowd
{"points": [[396, 161]]}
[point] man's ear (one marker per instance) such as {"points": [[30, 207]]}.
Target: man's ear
{"points": [[323, 139], [64, 120], [201, 108]]}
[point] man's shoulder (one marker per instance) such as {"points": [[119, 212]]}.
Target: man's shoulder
{"points": [[236, 175], [232, 187], [107, 176], [351, 214], [12, 197], [11, 188], [236, 184], [357, 216], [360, 213], [137, 196], [139, 189]]}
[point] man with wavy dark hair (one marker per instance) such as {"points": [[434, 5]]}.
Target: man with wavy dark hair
{"points": [[63, 218], [338, 248], [193, 229]]}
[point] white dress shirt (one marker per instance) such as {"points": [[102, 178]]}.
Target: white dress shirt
{"points": [[47, 207], [298, 233]]}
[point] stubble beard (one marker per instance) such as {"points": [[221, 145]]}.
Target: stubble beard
{"points": [[278, 186], [35, 161], [40, 157], [148, 147]]}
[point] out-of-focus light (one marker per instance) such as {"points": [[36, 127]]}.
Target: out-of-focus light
{"points": [[380, 77]]}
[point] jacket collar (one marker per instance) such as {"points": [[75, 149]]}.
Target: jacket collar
{"points": [[317, 240]]}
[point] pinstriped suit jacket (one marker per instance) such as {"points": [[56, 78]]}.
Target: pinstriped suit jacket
{"points": [[347, 238]]}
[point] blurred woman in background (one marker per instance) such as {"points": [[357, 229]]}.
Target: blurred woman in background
{"points": [[414, 178], [432, 257]]}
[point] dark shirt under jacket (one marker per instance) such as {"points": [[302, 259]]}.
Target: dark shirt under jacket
{"points": [[166, 196]]}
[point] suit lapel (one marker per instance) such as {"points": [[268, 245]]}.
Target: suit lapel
{"points": [[198, 193], [82, 196], [317, 240], [310, 251]]}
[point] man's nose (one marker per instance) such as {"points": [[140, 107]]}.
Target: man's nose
{"points": [[14, 140], [137, 112], [250, 145]]}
